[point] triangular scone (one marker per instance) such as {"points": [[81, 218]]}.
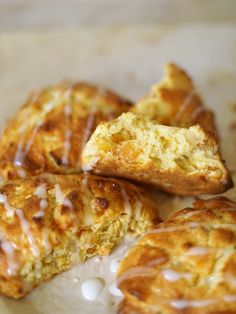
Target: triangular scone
{"points": [[183, 161], [186, 265], [50, 222], [175, 102], [50, 130]]}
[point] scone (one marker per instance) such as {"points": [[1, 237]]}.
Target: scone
{"points": [[50, 222], [183, 161], [175, 102], [50, 130], [186, 265]]}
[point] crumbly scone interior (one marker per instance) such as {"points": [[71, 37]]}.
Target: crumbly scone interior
{"points": [[141, 141]]}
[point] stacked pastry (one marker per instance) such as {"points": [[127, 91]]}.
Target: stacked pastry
{"points": [[54, 213]]}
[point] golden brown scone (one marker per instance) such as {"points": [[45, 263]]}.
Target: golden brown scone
{"points": [[50, 222], [186, 265], [183, 161], [50, 130], [175, 102]]}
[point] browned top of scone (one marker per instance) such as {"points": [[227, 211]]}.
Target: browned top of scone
{"points": [[50, 130], [186, 265], [175, 102], [39, 213]]}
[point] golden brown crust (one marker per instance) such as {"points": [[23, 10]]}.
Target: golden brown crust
{"points": [[175, 102], [128, 308], [177, 160], [50, 130], [186, 265], [52, 221]]}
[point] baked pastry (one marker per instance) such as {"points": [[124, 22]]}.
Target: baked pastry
{"points": [[183, 161], [49, 222], [50, 130], [186, 265], [175, 102]]}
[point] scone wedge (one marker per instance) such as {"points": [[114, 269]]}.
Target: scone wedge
{"points": [[50, 130], [50, 222], [175, 102], [183, 161], [185, 265]]}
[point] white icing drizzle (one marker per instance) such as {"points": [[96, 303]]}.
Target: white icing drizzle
{"points": [[196, 212], [89, 166], [173, 275], [41, 212], [9, 250], [45, 241], [183, 304], [43, 203], [190, 225], [114, 290], [26, 229], [114, 265], [9, 209], [3, 198], [188, 214], [68, 134], [20, 155], [21, 173], [61, 198], [127, 205], [198, 251], [91, 288], [157, 261], [229, 298], [89, 125], [21, 152], [139, 271], [185, 104], [41, 193]]}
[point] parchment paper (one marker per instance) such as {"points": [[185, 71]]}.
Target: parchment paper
{"points": [[129, 60]]}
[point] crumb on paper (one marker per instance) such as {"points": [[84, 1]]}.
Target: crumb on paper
{"points": [[131, 76]]}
